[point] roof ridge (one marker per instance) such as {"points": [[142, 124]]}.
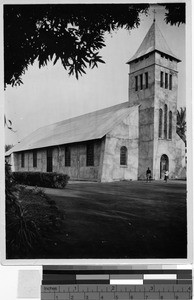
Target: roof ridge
{"points": [[85, 127]]}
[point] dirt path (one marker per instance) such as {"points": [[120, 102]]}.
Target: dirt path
{"points": [[122, 220]]}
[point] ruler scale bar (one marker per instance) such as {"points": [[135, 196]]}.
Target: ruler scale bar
{"points": [[128, 284], [106, 271]]}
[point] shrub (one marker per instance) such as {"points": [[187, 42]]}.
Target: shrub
{"points": [[21, 232], [43, 179]]}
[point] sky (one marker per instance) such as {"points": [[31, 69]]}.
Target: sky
{"points": [[49, 94]]}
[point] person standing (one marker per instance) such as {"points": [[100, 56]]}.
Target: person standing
{"points": [[148, 175], [166, 173]]}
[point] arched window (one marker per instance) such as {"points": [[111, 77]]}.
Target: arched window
{"points": [[160, 122], [165, 121], [170, 126], [123, 156]]}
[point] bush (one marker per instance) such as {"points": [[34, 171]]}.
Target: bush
{"points": [[21, 233], [43, 179]]}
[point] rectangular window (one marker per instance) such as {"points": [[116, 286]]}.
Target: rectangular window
{"points": [[22, 160], [161, 79], [136, 83], [90, 154], [49, 160], [170, 82], [34, 159], [146, 80], [67, 156], [166, 80], [141, 81]]}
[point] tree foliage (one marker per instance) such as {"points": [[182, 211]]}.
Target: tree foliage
{"points": [[8, 147], [70, 33], [175, 13], [181, 124], [73, 34]]}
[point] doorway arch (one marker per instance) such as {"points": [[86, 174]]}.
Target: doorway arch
{"points": [[164, 164]]}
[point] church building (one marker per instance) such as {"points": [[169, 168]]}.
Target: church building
{"points": [[122, 141]]}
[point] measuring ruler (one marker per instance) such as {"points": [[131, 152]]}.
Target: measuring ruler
{"points": [[116, 285]]}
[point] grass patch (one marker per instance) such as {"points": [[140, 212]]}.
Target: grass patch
{"points": [[108, 220]]}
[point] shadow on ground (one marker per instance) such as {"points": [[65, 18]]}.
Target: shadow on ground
{"points": [[120, 220]]}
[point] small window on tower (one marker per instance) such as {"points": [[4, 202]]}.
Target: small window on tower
{"points": [[170, 82], [166, 80], [161, 79], [141, 81], [136, 83], [146, 80]]}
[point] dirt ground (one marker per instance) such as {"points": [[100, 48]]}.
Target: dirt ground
{"points": [[120, 220]]}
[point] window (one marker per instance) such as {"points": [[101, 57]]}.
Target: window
{"points": [[49, 160], [161, 79], [170, 126], [166, 80], [123, 156], [170, 82], [146, 80], [22, 159], [165, 121], [34, 159], [136, 83], [90, 154], [67, 156], [160, 122], [141, 81]]}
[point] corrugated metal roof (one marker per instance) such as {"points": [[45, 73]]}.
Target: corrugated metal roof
{"points": [[87, 127], [153, 41]]}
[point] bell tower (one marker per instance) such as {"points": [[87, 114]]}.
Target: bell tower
{"points": [[153, 84]]}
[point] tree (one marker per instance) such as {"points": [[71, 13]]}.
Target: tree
{"points": [[175, 13], [8, 147], [181, 124], [71, 33]]}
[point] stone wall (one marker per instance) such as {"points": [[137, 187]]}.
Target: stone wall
{"points": [[165, 96], [124, 134], [151, 99], [145, 98], [78, 169]]}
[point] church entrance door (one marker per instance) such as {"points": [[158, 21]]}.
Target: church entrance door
{"points": [[164, 165]]}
